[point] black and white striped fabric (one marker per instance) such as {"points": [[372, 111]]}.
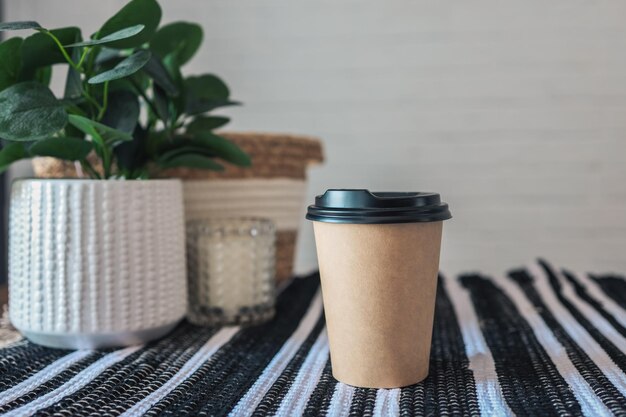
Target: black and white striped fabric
{"points": [[540, 341]]}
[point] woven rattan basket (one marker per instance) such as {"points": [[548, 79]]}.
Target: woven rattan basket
{"points": [[273, 187]]}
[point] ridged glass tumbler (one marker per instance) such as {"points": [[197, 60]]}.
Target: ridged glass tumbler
{"points": [[231, 271]]}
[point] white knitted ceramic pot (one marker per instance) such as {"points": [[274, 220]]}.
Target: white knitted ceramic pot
{"points": [[96, 263]]}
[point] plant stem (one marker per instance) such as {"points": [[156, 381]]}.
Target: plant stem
{"points": [[62, 49], [145, 97], [82, 57], [92, 100], [106, 164], [89, 168], [92, 59], [105, 101]]}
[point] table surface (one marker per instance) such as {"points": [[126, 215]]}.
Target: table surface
{"points": [[539, 341]]}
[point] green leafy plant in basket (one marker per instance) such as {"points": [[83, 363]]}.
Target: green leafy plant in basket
{"points": [[126, 109]]}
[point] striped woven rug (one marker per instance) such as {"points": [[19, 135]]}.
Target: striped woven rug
{"points": [[540, 341]]}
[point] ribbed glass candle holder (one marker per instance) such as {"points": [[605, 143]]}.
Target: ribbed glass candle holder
{"points": [[231, 271]]}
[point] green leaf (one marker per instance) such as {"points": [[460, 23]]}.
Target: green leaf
{"points": [[182, 146], [173, 69], [127, 67], [29, 111], [180, 39], [102, 134], [10, 61], [115, 36], [160, 75], [111, 60], [205, 144], [156, 142], [123, 111], [67, 148], [71, 131], [205, 93], [131, 156], [207, 86], [161, 105], [106, 55], [190, 160], [73, 80], [39, 50], [20, 25], [134, 83], [43, 75], [199, 106], [11, 153], [221, 147], [206, 124], [136, 12]]}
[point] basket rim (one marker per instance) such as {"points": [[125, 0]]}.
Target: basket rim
{"points": [[267, 134]]}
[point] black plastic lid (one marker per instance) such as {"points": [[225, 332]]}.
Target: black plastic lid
{"points": [[365, 207]]}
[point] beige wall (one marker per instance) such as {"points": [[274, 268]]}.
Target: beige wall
{"points": [[514, 111]]}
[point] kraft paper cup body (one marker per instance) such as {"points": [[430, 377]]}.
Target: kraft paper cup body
{"points": [[378, 254], [379, 283]]}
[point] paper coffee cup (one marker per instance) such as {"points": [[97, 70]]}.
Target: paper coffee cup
{"points": [[378, 255]]}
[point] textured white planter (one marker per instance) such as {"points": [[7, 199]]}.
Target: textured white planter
{"points": [[95, 263]]}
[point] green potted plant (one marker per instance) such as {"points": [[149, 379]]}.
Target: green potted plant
{"points": [[100, 261], [273, 187]]}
